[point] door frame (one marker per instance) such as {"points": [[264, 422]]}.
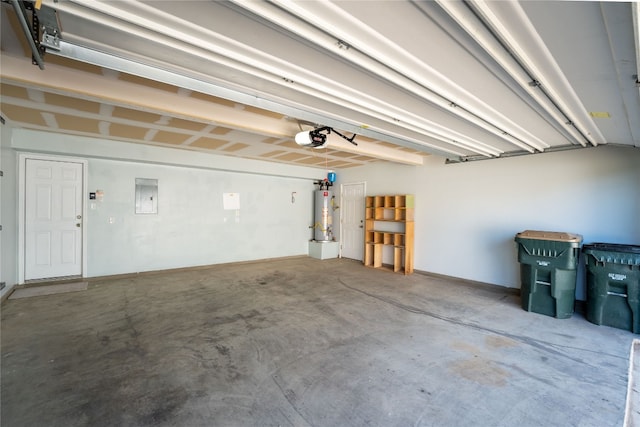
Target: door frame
{"points": [[364, 186], [22, 175]]}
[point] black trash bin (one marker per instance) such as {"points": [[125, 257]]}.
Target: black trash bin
{"points": [[613, 285], [548, 266]]}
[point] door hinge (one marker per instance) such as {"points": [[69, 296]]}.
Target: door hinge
{"points": [[2, 285], [1, 173]]}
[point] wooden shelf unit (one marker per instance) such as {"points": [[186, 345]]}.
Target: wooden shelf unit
{"points": [[389, 223]]}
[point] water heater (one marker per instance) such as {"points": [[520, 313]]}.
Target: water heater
{"points": [[323, 216]]}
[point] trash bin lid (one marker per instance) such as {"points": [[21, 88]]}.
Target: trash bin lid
{"points": [[550, 235], [612, 247]]}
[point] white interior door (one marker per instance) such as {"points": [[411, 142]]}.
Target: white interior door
{"points": [[53, 219], [352, 220]]}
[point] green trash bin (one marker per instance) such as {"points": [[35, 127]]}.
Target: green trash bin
{"points": [[613, 285], [548, 269]]}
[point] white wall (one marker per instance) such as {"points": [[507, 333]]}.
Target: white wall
{"points": [[8, 212], [467, 214], [191, 228]]}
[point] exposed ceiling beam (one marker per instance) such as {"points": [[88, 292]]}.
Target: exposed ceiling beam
{"points": [[101, 88]]}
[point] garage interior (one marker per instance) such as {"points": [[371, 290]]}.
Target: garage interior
{"points": [[204, 303]]}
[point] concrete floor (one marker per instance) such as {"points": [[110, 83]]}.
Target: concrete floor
{"points": [[303, 342]]}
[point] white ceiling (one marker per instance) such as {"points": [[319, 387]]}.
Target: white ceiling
{"points": [[463, 80]]}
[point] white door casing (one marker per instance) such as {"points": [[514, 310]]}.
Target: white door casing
{"points": [[352, 220], [53, 218]]}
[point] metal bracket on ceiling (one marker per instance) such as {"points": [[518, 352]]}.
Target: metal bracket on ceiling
{"points": [[50, 25], [52, 41], [343, 45]]}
